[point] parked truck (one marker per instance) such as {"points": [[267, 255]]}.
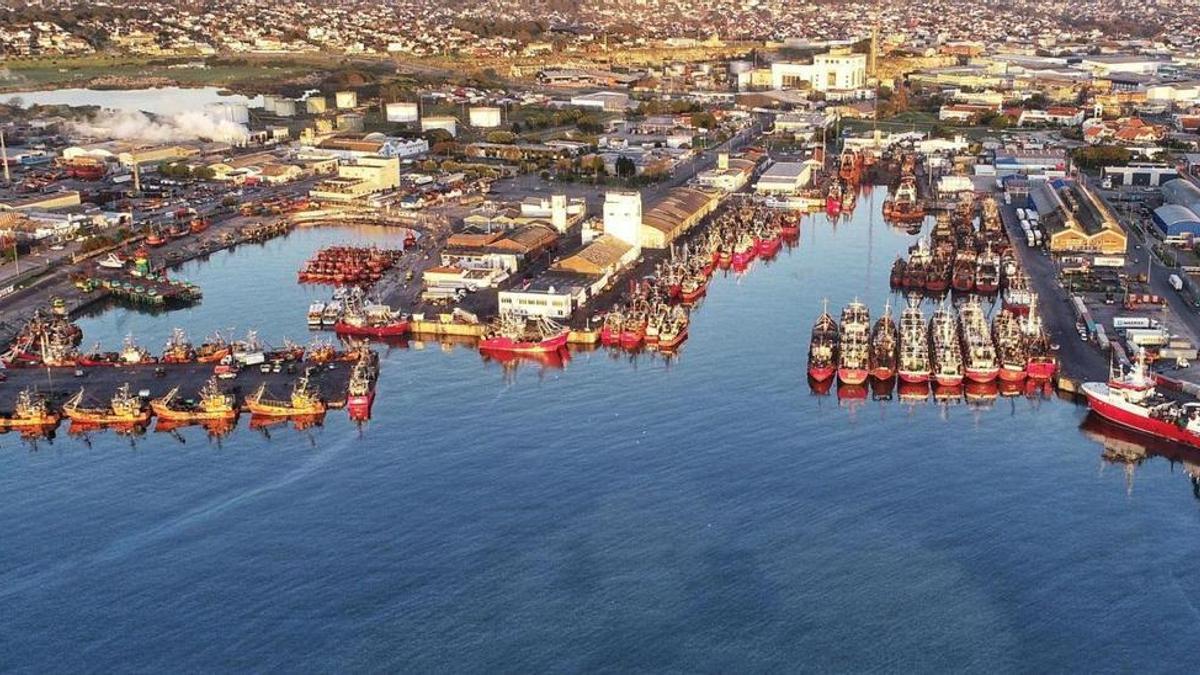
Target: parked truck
{"points": [[1123, 322]]}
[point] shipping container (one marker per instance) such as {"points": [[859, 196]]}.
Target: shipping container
{"points": [[1132, 322]]}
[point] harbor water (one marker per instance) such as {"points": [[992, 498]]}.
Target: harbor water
{"points": [[622, 512]]}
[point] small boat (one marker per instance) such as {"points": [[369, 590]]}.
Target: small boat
{"points": [[315, 313], [111, 261], [123, 409], [213, 404], [30, 411], [304, 401]]}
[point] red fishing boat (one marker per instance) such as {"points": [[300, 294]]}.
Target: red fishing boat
{"points": [[515, 334], [1130, 400], [823, 347]]}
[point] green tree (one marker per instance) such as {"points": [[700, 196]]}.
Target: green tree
{"points": [[625, 167]]}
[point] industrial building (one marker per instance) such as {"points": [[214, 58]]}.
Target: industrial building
{"points": [[1075, 219], [785, 177], [554, 295], [675, 214], [1174, 220], [365, 176], [1180, 213]]}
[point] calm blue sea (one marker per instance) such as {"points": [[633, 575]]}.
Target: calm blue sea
{"points": [[704, 514]]}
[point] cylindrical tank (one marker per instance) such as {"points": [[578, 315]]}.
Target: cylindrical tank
{"points": [[485, 117], [315, 105], [285, 107], [346, 100], [402, 111]]}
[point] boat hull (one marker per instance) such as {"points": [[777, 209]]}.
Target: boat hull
{"points": [[982, 375], [852, 375], [1132, 417], [167, 413], [395, 329], [505, 344]]}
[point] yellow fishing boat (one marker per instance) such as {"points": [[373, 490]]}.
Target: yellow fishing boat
{"points": [[303, 401], [31, 410], [213, 404]]}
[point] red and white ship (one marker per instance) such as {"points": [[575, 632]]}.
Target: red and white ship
{"points": [[1130, 400], [515, 334]]}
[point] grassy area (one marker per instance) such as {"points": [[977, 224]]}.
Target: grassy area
{"points": [[77, 71]]}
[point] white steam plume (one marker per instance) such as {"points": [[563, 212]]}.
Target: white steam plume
{"points": [[137, 126]]}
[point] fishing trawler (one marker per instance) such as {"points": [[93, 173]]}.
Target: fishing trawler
{"points": [[178, 348], [963, 275], [979, 352], [987, 272], [1010, 347], [123, 409], [896, 277], [515, 334], [30, 411], [884, 342], [1042, 363], [850, 166], [304, 401], [212, 404], [372, 320], [823, 347], [1131, 400], [937, 277], [833, 199], [360, 392], [946, 349], [1017, 296], [854, 344], [693, 288], [904, 206], [914, 346], [213, 349], [673, 329]]}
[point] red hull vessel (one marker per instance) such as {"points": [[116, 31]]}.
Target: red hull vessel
{"points": [[852, 375], [394, 329], [1131, 401], [507, 344]]}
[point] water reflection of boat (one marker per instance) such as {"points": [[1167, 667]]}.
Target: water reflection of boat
{"points": [[851, 392], [216, 428], [554, 359], [820, 387], [299, 422], [914, 391]]}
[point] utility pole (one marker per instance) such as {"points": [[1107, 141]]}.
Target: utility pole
{"points": [[4, 157]]}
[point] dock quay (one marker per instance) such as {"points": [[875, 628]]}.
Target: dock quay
{"points": [[152, 380]]}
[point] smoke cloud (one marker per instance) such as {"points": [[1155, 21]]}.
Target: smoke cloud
{"points": [[137, 126]]}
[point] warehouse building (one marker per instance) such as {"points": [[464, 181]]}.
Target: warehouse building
{"points": [[1174, 220], [1075, 220], [677, 213]]}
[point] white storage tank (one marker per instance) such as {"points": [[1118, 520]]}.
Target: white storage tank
{"points": [[346, 100], [237, 113], [315, 105], [285, 107], [446, 123], [485, 116], [402, 111], [351, 121], [269, 102]]}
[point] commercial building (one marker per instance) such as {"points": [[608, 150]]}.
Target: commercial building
{"points": [[838, 70], [1141, 174], [1075, 219], [785, 177], [365, 176], [612, 101], [554, 295]]}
